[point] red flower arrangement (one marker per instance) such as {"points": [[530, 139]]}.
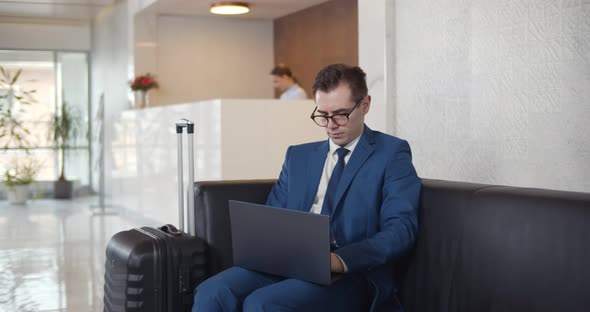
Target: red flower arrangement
{"points": [[144, 83]]}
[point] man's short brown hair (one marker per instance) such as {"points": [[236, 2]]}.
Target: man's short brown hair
{"points": [[331, 76], [281, 70]]}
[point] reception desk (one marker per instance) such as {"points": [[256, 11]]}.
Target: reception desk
{"points": [[234, 139]]}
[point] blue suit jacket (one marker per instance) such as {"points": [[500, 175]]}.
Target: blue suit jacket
{"points": [[375, 218]]}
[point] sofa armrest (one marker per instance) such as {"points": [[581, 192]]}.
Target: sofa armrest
{"points": [[212, 214]]}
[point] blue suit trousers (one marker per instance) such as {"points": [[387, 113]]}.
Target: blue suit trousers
{"points": [[238, 289]]}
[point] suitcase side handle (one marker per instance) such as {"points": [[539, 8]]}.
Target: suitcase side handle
{"points": [[170, 229]]}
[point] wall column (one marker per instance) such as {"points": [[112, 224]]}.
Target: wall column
{"points": [[376, 20]]}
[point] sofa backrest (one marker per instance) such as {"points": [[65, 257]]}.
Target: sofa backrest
{"points": [[212, 214], [498, 248]]}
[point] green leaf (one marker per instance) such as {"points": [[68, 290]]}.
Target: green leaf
{"points": [[18, 72]]}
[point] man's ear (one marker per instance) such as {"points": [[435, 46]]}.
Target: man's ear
{"points": [[366, 104]]}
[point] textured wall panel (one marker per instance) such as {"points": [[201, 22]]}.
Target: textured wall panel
{"points": [[496, 91]]}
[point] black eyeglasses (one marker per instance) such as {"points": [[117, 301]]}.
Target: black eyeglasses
{"points": [[339, 119]]}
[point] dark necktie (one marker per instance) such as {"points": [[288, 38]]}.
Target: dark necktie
{"points": [[329, 198]]}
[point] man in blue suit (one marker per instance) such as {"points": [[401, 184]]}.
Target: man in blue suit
{"points": [[365, 181]]}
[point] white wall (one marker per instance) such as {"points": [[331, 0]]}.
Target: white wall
{"points": [[198, 58], [110, 68], [495, 91], [44, 36]]}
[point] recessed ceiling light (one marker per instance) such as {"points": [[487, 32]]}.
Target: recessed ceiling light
{"points": [[229, 8]]}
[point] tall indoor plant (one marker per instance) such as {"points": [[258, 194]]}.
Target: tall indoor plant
{"points": [[66, 126]]}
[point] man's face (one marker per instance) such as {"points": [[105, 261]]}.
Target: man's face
{"points": [[280, 83], [340, 101]]}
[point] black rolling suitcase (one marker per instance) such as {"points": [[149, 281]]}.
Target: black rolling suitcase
{"points": [[157, 269]]}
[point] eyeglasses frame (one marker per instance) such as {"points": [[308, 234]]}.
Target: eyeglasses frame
{"points": [[328, 118]]}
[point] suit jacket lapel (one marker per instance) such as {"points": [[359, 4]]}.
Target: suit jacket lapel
{"points": [[361, 153], [315, 167]]}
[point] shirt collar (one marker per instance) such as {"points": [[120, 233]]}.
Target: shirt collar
{"points": [[350, 146], [292, 89]]}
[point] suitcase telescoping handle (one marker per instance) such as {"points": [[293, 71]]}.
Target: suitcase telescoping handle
{"points": [[190, 129]]}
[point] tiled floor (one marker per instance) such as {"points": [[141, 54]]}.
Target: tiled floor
{"points": [[52, 255]]}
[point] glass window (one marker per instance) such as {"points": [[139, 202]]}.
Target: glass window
{"points": [[55, 77]]}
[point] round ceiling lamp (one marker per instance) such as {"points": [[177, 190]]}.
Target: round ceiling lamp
{"points": [[229, 8]]}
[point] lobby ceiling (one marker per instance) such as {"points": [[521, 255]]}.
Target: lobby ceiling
{"points": [[51, 10], [263, 9], [76, 11]]}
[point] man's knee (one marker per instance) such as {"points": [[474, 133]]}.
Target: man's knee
{"points": [[214, 295], [259, 300]]}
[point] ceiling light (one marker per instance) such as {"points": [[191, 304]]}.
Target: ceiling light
{"points": [[229, 8]]}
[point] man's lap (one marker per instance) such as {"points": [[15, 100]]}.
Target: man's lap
{"points": [[237, 287]]}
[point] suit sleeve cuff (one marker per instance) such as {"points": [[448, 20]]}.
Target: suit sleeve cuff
{"points": [[343, 263]]}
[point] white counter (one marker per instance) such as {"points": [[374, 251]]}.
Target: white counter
{"points": [[234, 139]]}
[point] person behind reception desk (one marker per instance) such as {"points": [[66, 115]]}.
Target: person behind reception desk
{"points": [[365, 181], [284, 82]]}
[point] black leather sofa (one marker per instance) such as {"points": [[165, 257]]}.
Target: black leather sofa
{"points": [[480, 247]]}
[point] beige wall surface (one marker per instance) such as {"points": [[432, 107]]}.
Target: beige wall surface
{"points": [[199, 58], [44, 36]]}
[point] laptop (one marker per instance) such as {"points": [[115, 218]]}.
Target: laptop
{"points": [[281, 242]]}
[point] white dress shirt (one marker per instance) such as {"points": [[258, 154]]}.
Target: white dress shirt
{"points": [[294, 93]]}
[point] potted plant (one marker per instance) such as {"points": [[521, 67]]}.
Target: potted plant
{"points": [[141, 85], [17, 180], [65, 129]]}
